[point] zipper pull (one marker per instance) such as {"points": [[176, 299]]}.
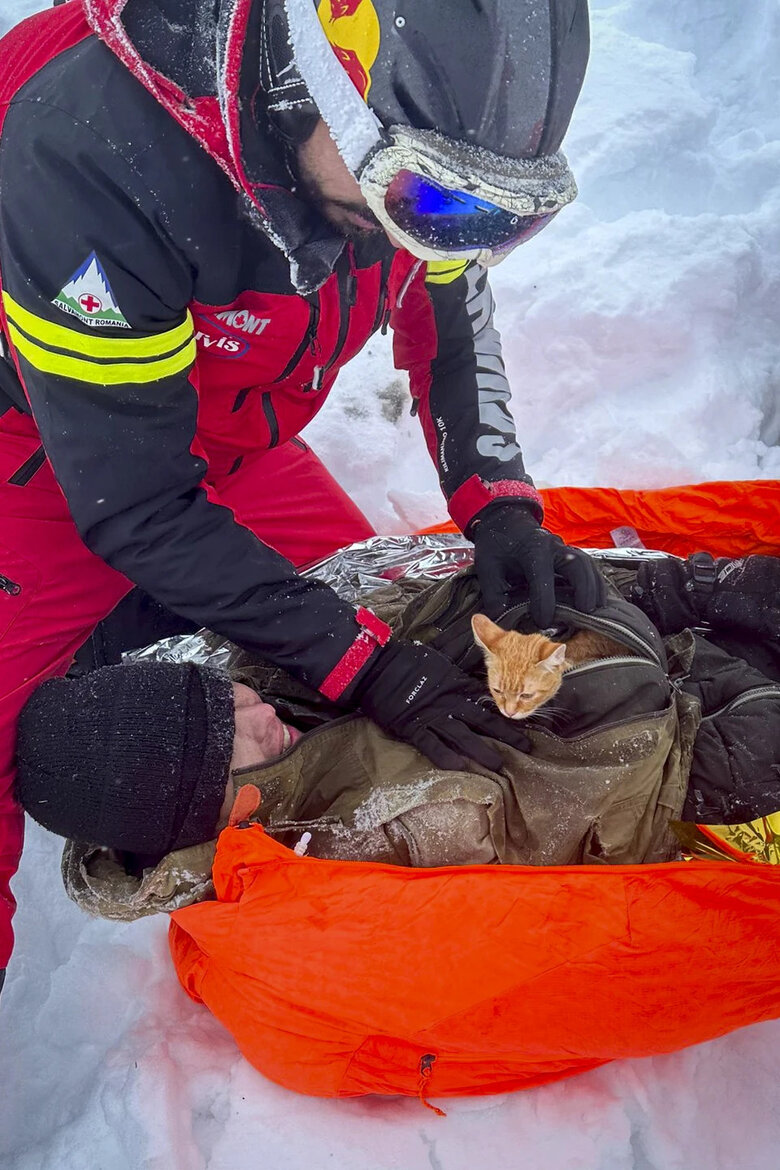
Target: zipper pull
{"points": [[314, 321], [246, 803], [426, 1067], [316, 380], [9, 586], [351, 289], [300, 849], [383, 302], [407, 282]]}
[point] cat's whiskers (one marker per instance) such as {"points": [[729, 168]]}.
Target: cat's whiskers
{"points": [[486, 701], [549, 713]]}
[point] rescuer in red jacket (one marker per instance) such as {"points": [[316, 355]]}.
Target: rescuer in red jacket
{"points": [[205, 211]]}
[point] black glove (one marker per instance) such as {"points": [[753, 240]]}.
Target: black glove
{"points": [[418, 695], [745, 595], [668, 592], [510, 550], [741, 594]]}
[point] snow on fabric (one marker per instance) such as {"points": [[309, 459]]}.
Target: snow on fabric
{"points": [[354, 128], [642, 343]]}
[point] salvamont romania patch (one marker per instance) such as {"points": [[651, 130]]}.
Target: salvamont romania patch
{"points": [[88, 296]]}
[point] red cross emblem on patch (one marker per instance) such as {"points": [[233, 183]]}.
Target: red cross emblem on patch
{"points": [[90, 303]]}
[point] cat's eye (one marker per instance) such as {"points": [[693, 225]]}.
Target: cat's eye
{"points": [[527, 695], [496, 691]]}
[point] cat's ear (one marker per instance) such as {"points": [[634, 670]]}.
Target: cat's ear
{"points": [[486, 633], [556, 658]]}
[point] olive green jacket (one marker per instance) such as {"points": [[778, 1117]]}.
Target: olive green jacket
{"points": [[605, 775]]}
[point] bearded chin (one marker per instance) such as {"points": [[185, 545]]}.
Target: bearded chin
{"points": [[337, 215]]}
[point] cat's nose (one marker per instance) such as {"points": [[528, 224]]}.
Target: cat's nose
{"points": [[512, 708]]}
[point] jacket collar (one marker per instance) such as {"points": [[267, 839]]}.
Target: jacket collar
{"points": [[201, 63]]}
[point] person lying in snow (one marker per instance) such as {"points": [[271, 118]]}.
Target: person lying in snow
{"points": [[147, 761]]}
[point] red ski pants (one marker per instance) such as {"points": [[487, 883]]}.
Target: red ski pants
{"points": [[53, 591]]}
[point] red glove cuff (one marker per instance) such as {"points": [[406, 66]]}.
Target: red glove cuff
{"points": [[475, 494], [373, 633]]}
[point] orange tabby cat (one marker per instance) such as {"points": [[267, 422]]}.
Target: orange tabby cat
{"points": [[525, 670]]}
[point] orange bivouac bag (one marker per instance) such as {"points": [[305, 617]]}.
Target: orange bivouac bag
{"points": [[342, 978]]}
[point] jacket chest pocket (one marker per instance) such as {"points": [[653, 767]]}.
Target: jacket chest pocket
{"points": [[323, 343], [257, 340], [343, 315], [263, 342], [287, 352], [301, 362]]}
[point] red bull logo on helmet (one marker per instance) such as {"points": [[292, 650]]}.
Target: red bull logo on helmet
{"points": [[352, 27], [344, 8]]}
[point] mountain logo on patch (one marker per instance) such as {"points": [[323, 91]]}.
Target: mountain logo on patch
{"points": [[88, 296]]}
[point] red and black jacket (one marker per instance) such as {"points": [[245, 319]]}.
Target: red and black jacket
{"points": [[137, 174]]}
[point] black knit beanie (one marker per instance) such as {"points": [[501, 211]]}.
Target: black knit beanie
{"points": [[132, 757]]}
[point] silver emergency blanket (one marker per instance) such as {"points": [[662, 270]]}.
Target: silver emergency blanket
{"points": [[356, 570]]}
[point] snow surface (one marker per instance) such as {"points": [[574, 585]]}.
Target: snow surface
{"points": [[642, 343]]}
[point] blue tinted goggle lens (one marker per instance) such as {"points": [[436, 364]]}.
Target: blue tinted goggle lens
{"points": [[438, 217]]}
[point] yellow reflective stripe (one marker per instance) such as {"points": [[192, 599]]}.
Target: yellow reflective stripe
{"points": [[445, 271], [110, 374], [96, 345]]}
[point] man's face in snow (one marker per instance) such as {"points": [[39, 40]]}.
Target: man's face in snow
{"points": [[260, 736], [332, 188]]}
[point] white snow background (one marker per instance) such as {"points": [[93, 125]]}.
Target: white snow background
{"points": [[641, 337]]}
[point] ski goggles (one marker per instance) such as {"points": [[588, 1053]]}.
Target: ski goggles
{"points": [[446, 200]]}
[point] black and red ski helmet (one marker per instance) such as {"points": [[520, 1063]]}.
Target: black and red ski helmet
{"points": [[503, 75]]}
